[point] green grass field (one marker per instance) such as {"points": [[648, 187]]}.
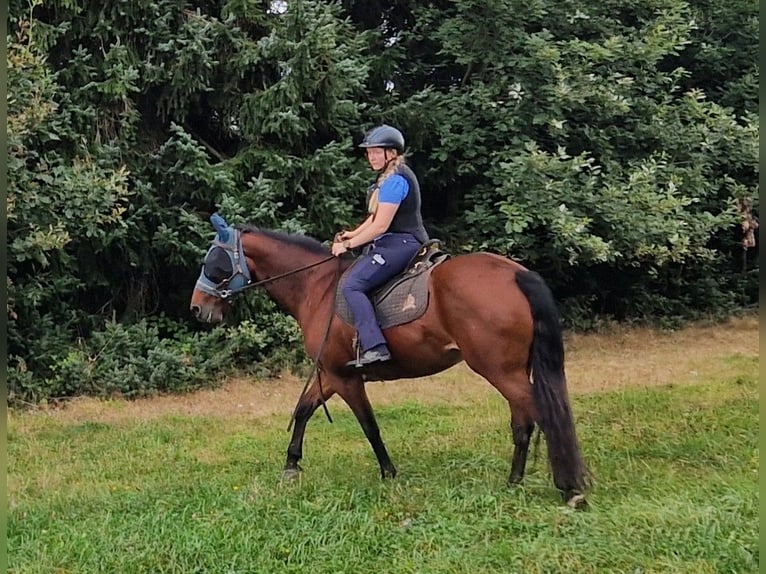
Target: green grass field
{"points": [[675, 469]]}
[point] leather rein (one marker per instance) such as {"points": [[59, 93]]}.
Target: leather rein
{"points": [[227, 294]]}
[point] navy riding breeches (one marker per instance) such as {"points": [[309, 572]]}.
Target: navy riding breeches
{"points": [[388, 255]]}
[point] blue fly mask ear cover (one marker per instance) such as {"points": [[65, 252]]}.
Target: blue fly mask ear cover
{"points": [[224, 271]]}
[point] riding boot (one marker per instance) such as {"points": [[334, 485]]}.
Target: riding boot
{"points": [[377, 354]]}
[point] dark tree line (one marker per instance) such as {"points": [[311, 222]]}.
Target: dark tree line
{"points": [[611, 146]]}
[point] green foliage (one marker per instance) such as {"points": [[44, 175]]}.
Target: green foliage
{"points": [[265, 341], [65, 206], [611, 146], [156, 356], [570, 138], [128, 361]]}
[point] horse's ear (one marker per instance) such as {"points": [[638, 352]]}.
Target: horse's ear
{"points": [[220, 225]]}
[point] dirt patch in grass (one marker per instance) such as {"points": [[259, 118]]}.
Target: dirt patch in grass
{"points": [[621, 357]]}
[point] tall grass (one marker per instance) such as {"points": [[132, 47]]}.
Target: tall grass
{"points": [[675, 469]]}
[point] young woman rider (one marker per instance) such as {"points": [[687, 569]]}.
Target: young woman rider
{"points": [[392, 233]]}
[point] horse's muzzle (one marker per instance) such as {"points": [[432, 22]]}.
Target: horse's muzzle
{"points": [[206, 315]]}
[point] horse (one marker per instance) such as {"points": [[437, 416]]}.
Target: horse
{"points": [[487, 310]]}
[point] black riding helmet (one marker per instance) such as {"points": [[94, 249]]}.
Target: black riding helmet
{"points": [[384, 136]]}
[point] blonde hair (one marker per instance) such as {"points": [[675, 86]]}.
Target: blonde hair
{"points": [[391, 167]]}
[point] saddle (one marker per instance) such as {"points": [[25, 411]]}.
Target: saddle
{"points": [[404, 297]]}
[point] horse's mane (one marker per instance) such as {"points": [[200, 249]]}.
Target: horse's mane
{"points": [[304, 241]]}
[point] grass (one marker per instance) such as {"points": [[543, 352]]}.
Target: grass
{"points": [[675, 467]]}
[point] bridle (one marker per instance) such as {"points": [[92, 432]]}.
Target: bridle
{"points": [[240, 279]]}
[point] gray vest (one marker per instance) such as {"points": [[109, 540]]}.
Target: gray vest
{"points": [[408, 218]]}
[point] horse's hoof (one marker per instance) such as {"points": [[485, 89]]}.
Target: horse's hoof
{"points": [[290, 474], [387, 473], [577, 501], [515, 481]]}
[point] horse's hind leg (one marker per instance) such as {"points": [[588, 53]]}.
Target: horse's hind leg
{"points": [[516, 389], [518, 393], [521, 433]]}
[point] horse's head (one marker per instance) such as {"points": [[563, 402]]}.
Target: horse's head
{"points": [[224, 273]]}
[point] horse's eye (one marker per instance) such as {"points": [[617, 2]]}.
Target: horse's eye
{"points": [[217, 266]]}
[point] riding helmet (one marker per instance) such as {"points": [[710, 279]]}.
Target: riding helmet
{"points": [[384, 136]]}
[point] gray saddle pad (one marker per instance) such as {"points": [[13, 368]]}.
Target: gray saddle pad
{"points": [[403, 299]]}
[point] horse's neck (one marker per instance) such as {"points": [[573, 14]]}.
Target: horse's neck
{"points": [[301, 294]]}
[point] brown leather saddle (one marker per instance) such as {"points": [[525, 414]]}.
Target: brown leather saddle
{"points": [[405, 297]]}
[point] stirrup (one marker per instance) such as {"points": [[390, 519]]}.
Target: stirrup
{"points": [[369, 357]]}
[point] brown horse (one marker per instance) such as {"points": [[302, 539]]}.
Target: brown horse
{"points": [[494, 314]]}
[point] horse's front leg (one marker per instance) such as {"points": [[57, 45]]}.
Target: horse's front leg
{"points": [[306, 406], [353, 392]]}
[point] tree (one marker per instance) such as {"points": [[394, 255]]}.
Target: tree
{"points": [[610, 146], [65, 205]]}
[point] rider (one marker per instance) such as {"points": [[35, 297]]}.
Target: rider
{"points": [[393, 233]]}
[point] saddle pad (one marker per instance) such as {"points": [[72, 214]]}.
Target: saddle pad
{"points": [[401, 300]]}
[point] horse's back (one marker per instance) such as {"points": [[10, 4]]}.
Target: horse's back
{"points": [[484, 259], [485, 274], [481, 288]]}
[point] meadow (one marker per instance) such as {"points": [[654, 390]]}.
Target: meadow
{"points": [[668, 422]]}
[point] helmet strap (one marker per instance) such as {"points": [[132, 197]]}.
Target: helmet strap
{"points": [[388, 159]]}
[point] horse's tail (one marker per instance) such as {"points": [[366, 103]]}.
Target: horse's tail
{"points": [[549, 388]]}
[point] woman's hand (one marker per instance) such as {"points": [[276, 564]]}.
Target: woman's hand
{"points": [[339, 247], [343, 235]]}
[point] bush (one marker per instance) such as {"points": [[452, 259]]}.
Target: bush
{"points": [[128, 361], [612, 148], [158, 355]]}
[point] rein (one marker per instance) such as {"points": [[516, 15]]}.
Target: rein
{"points": [[315, 368], [227, 293], [236, 253]]}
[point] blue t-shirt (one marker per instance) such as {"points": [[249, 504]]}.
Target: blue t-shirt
{"points": [[393, 190]]}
